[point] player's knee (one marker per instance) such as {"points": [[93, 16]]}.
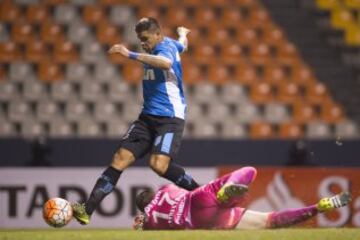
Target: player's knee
{"points": [[159, 164], [122, 159]]}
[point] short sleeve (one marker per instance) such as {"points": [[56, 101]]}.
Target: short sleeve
{"points": [[164, 52], [180, 47]]}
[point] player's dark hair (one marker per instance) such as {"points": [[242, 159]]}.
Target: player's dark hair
{"points": [[143, 199], [147, 24]]}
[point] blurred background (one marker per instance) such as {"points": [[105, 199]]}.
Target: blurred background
{"points": [[268, 83]]}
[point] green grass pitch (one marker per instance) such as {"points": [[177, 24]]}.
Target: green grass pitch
{"points": [[282, 234]]}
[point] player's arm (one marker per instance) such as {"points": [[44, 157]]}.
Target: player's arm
{"points": [[153, 60], [183, 32]]}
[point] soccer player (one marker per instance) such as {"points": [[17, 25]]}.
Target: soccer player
{"points": [[159, 128], [215, 206]]}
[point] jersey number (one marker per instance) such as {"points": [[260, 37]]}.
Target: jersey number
{"points": [[149, 74], [158, 215]]}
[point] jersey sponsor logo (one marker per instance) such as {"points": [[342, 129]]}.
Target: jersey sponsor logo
{"points": [[149, 74]]}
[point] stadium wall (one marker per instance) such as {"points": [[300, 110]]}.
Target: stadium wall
{"points": [[198, 153], [24, 190]]}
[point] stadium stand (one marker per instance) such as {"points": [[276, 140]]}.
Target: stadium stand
{"points": [[244, 77]]}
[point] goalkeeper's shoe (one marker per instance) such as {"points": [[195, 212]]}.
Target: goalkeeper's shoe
{"points": [[337, 201], [80, 214], [230, 190]]}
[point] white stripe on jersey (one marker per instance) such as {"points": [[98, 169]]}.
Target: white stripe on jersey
{"points": [[173, 92]]}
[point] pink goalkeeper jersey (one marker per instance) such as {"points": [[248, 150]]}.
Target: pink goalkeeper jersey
{"points": [[170, 209]]}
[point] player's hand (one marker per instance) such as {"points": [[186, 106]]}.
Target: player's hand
{"points": [[119, 48], [182, 31], [139, 222]]}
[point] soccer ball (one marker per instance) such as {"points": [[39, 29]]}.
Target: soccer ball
{"points": [[57, 212]]}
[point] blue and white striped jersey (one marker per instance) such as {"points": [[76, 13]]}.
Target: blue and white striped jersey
{"points": [[162, 89]]}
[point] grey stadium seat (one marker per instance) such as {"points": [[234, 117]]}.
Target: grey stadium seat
{"points": [[79, 33], [8, 91], [7, 129], [65, 14], [204, 92], [194, 111], [4, 33], [233, 93], [92, 52], [19, 111], [106, 72], [347, 130], [76, 110], [276, 113], [116, 128], [34, 90], [119, 91], [61, 128], [88, 128], [232, 129], [105, 110], [131, 111], [218, 111], [47, 111], [77, 72], [318, 130], [91, 91], [247, 113], [32, 128], [21, 71], [204, 130], [121, 14], [62, 91]]}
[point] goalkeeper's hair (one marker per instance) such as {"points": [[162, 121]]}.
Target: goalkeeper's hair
{"points": [[147, 24], [143, 199]]}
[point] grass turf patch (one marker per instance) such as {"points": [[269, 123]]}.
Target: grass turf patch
{"points": [[93, 234]]}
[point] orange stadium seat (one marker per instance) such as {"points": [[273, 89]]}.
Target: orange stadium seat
{"points": [[274, 74], [55, 2], [247, 3], [150, 11], [191, 73], [261, 130], [331, 112], [36, 51], [219, 74], [92, 14], [176, 16], [37, 14], [273, 35], [49, 72], [9, 52], [260, 54], [51, 33], [231, 17], [246, 35], [303, 112], [110, 2], [316, 93], [218, 3], [327, 4], [9, 12], [132, 72], [246, 74], [191, 3], [288, 92], [219, 35], [258, 17], [261, 93], [287, 53], [290, 130], [302, 75], [106, 33], [204, 53], [65, 52], [204, 16], [22, 32], [231, 53]]}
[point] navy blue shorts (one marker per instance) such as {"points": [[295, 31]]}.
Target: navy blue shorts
{"points": [[155, 135]]}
